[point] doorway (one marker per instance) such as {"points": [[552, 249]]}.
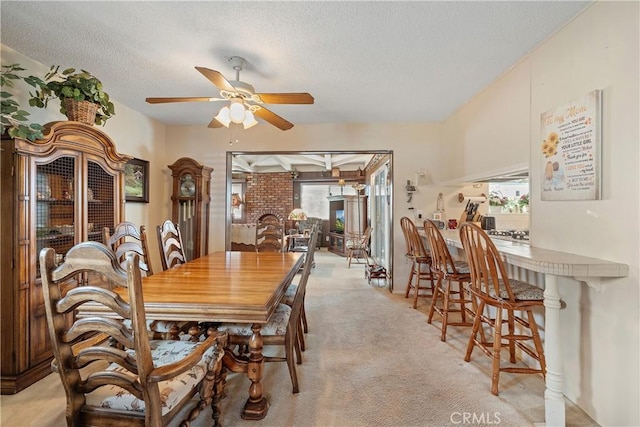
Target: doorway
{"points": [[328, 167]]}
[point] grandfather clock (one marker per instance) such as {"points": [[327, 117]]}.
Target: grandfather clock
{"points": [[190, 201]]}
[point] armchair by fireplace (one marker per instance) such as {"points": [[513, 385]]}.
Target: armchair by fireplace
{"points": [[308, 224]]}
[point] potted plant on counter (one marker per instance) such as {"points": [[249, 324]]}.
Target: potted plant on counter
{"points": [[497, 201], [81, 95], [523, 203]]}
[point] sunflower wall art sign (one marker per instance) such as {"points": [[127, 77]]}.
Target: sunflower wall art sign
{"points": [[570, 150]]}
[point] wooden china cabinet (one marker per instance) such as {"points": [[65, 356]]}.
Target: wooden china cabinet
{"points": [[56, 192], [191, 200]]}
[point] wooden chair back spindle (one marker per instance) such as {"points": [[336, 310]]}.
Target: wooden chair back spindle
{"points": [[127, 238], [170, 244], [269, 234]]}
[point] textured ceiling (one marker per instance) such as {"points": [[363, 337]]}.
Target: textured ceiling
{"points": [[362, 61]]}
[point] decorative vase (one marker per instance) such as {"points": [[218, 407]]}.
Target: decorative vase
{"points": [[81, 111]]}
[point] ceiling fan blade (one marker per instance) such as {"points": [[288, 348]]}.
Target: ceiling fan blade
{"points": [[181, 99], [286, 98], [273, 118], [214, 124], [216, 78]]}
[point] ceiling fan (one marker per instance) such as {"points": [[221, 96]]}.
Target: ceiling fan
{"points": [[243, 101]]}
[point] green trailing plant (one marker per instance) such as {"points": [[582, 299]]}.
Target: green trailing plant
{"points": [[80, 86], [14, 119]]}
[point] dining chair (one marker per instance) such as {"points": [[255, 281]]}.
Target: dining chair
{"points": [[420, 262], [358, 246], [282, 329], [493, 288], [292, 289], [170, 244], [138, 381], [172, 255], [269, 234], [447, 270], [127, 238], [308, 223]]}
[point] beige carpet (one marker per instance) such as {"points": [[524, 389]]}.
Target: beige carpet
{"points": [[371, 360]]}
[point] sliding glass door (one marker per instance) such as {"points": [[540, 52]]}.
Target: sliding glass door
{"points": [[381, 216]]}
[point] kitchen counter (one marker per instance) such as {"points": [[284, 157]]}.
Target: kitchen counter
{"points": [[552, 264]]}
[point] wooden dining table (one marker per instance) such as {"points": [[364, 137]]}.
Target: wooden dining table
{"points": [[229, 287]]}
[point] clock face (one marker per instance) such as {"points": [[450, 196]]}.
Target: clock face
{"points": [[187, 186]]}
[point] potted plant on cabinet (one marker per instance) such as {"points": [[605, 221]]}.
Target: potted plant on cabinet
{"points": [[14, 119], [81, 95]]}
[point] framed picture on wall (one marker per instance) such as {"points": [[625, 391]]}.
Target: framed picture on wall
{"points": [[136, 181], [570, 149]]}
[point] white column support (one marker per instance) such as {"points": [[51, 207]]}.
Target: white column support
{"points": [[554, 409]]}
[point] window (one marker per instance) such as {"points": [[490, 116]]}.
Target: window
{"points": [[513, 196], [313, 198], [238, 190]]}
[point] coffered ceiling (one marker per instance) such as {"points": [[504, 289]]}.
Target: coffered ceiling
{"points": [[363, 61], [277, 162]]}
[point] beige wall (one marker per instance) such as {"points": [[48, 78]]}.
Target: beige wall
{"points": [[499, 128], [599, 50], [492, 131], [416, 147]]}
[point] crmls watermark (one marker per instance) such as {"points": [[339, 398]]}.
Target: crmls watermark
{"points": [[484, 418]]}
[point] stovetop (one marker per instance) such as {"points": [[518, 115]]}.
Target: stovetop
{"points": [[510, 234]]}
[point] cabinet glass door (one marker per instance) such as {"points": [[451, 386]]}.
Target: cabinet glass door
{"points": [[55, 212], [100, 201]]}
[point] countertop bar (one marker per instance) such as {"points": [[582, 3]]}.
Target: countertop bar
{"points": [[547, 261], [552, 264]]}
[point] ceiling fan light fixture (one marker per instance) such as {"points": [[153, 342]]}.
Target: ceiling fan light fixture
{"points": [[237, 112], [249, 120], [224, 116], [243, 101]]}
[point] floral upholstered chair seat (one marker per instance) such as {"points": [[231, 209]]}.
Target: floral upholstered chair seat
{"points": [[290, 294], [521, 291], [171, 391], [277, 325], [461, 267]]}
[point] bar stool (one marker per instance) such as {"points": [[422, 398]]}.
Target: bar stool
{"points": [[420, 261], [446, 270], [493, 288]]}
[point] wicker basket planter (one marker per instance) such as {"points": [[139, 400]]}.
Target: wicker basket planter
{"points": [[81, 111]]}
